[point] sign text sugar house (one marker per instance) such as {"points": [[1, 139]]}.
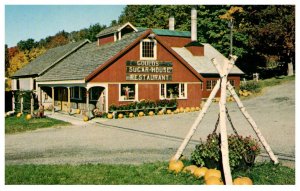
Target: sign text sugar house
{"points": [[145, 70]]}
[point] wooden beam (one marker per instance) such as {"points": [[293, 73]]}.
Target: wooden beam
{"points": [[69, 100], [52, 88], [88, 103], [252, 123]]}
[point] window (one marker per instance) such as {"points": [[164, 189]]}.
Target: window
{"points": [[231, 82], [128, 92], [210, 84], [148, 49], [173, 91], [75, 93]]}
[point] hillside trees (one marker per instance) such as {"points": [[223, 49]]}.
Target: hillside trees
{"points": [[263, 36]]}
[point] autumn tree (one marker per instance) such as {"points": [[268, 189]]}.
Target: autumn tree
{"points": [[27, 44]]}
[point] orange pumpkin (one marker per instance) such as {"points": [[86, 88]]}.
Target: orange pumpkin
{"points": [[28, 117], [187, 109], [212, 180], [120, 116], [160, 112], [151, 113], [200, 172], [19, 114], [78, 111], [141, 114], [181, 110], [176, 166], [193, 109], [85, 118], [197, 108], [169, 111], [109, 116], [212, 172], [190, 169], [131, 115], [242, 181]]}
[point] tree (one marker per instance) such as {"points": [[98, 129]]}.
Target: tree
{"points": [[6, 59], [27, 44], [59, 39]]}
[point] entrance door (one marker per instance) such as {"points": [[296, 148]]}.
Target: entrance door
{"points": [[63, 95]]}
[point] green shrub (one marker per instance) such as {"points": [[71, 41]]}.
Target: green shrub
{"points": [[242, 152], [251, 86]]}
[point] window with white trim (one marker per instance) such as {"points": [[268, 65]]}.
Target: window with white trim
{"points": [[173, 91], [210, 84], [75, 92], [128, 92], [148, 49]]}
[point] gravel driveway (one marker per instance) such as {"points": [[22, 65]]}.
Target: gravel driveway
{"points": [[150, 139]]}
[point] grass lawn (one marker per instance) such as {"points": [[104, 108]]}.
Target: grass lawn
{"points": [[14, 124], [145, 174], [275, 81]]}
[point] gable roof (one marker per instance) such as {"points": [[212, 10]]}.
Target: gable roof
{"points": [[47, 60], [203, 64], [114, 29], [87, 59]]}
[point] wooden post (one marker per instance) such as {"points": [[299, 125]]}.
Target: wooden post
{"points": [[252, 123], [31, 103], [69, 100], [197, 122], [222, 104], [223, 130], [53, 100], [13, 101], [88, 103], [21, 102]]}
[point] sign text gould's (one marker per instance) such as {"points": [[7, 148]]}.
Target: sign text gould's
{"points": [[149, 70]]}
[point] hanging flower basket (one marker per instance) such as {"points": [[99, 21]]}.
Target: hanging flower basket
{"points": [[242, 152]]}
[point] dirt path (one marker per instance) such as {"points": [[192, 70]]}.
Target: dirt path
{"points": [[150, 139]]}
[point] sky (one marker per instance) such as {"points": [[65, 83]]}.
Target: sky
{"points": [[39, 21]]}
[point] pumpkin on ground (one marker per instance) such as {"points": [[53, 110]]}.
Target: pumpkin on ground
{"points": [[109, 116], [176, 166], [141, 114], [197, 108], [131, 115], [169, 111], [151, 113], [212, 180], [193, 109], [176, 111], [85, 118], [187, 109], [190, 169], [212, 172], [120, 116], [161, 112], [78, 111], [28, 117], [181, 110], [242, 181], [19, 114], [200, 172]]}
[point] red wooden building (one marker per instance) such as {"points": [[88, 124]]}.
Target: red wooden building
{"points": [[129, 64]]}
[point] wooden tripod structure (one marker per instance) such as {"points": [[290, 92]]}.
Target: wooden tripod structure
{"points": [[222, 82]]}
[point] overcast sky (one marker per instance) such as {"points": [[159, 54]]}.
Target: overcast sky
{"points": [[39, 21]]}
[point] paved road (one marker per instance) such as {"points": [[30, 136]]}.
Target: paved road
{"points": [[150, 139]]}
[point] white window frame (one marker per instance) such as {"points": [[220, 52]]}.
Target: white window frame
{"points": [[154, 50], [212, 85], [121, 98], [180, 91], [72, 91]]}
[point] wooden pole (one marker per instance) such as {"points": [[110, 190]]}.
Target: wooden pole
{"points": [[197, 122], [252, 123], [88, 103], [31, 103], [69, 100], [21, 102], [223, 131], [52, 99], [222, 104]]}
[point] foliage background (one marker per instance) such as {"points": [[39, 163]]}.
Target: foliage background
{"points": [[264, 35]]}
